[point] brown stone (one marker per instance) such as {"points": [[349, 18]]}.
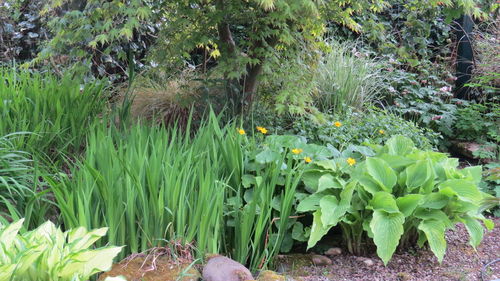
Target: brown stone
{"points": [[320, 260], [333, 251], [220, 268]]}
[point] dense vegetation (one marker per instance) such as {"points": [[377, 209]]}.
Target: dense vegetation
{"points": [[245, 128]]}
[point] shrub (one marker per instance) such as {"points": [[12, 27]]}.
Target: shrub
{"points": [[56, 112], [401, 196], [47, 253]]}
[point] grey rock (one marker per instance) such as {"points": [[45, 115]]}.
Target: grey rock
{"points": [[220, 268]]}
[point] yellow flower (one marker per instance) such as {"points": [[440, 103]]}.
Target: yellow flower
{"points": [[297, 150], [337, 124], [307, 159], [262, 130], [381, 132], [241, 131], [351, 161]]}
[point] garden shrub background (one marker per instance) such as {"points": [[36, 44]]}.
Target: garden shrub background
{"points": [[251, 141]]}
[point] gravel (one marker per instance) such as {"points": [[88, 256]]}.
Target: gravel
{"points": [[461, 262]]}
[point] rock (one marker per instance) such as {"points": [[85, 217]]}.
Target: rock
{"points": [[333, 251], [220, 268], [268, 275], [368, 262], [141, 268], [320, 260], [467, 149]]}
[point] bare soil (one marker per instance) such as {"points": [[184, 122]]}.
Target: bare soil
{"points": [[461, 262]]}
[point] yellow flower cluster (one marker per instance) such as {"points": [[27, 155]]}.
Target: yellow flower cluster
{"points": [[381, 131], [351, 161], [337, 124], [307, 159], [262, 130], [241, 131], [297, 151]]}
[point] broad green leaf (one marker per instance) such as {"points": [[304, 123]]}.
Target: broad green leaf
{"points": [[435, 201], [90, 262], [317, 230], [417, 174], [326, 164], [327, 181], [332, 209], [369, 184], [382, 173], [408, 203], [298, 232], [328, 204], [400, 145], [397, 162], [464, 189], [475, 230], [384, 201], [311, 179], [267, 156], [8, 234], [434, 233], [387, 229], [438, 215], [474, 173], [310, 203]]}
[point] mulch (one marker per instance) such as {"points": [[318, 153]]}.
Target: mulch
{"points": [[461, 262]]}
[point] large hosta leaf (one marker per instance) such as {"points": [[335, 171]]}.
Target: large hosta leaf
{"points": [[408, 203], [318, 230], [400, 145], [417, 174], [332, 209], [465, 190], [387, 229], [381, 173], [475, 230], [434, 232], [384, 201]]}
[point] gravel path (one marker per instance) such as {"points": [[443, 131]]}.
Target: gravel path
{"points": [[461, 262]]}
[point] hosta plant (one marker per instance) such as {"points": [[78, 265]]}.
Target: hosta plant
{"points": [[47, 253], [401, 196]]}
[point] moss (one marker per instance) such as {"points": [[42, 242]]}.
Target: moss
{"points": [[268, 275], [164, 269]]}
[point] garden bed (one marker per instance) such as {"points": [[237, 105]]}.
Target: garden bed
{"points": [[461, 262]]}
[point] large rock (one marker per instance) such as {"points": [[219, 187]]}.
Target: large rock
{"points": [[142, 268], [220, 268]]}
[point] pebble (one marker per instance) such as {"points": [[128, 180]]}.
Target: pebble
{"points": [[320, 260], [368, 262], [333, 251]]}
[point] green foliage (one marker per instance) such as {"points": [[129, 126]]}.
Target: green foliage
{"points": [[425, 98], [372, 126], [490, 184], [19, 185], [478, 122], [401, 196], [347, 78], [52, 114], [148, 185], [96, 35], [47, 253]]}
